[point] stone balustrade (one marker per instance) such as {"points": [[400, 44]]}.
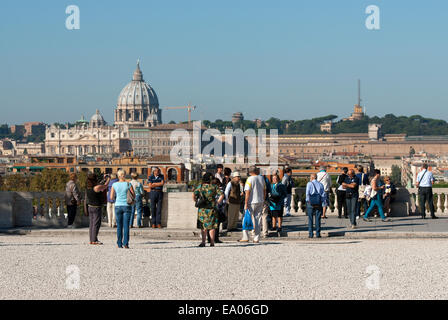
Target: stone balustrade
{"points": [[47, 209], [405, 203]]}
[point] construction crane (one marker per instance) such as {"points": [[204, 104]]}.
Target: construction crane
{"points": [[189, 109]]}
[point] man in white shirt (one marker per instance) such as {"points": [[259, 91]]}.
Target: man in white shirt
{"points": [[255, 190], [324, 178], [425, 180]]}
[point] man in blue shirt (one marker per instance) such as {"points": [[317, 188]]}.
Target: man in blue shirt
{"points": [[156, 182], [425, 180], [351, 185], [316, 199], [363, 183]]}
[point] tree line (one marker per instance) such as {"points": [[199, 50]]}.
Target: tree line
{"points": [[415, 125], [48, 180]]}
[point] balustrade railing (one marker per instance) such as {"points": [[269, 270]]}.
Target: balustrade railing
{"points": [[405, 202]]}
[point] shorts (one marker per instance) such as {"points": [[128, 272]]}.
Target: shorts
{"points": [[277, 213]]}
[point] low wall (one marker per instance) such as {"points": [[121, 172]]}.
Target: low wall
{"points": [[16, 210]]}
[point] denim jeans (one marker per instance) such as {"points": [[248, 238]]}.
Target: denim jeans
{"points": [[287, 203], [351, 208], [375, 202], [138, 205], [122, 214], [313, 212]]}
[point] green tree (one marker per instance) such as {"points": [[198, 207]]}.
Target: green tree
{"points": [[396, 175]]}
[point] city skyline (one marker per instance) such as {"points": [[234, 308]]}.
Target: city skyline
{"points": [[303, 63]]}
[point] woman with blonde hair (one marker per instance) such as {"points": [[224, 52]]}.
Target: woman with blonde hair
{"points": [[123, 208]]}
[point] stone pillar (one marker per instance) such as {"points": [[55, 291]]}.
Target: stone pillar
{"points": [[439, 203], [6, 210], [445, 206], [23, 209], [174, 218], [336, 201]]}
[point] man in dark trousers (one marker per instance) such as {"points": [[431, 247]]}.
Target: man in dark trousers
{"points": [[156, 182], [425, 180]]}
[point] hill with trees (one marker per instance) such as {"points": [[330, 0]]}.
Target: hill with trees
{"points": [[412, 126]]}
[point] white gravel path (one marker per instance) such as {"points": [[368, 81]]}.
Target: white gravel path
{"points": [[35, 268]]}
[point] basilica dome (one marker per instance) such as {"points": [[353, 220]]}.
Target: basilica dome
{"points": [[138, 104], [97, 120]]}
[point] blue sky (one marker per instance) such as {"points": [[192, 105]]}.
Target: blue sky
{"points": [[288, 59]]}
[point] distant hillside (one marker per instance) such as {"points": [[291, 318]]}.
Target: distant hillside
{"points": [[391, 124]]}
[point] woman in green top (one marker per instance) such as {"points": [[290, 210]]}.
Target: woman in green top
{"points": [[207, 213]]}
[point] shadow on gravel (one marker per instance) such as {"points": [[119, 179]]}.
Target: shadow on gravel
{"points": [[222, 245], [323, 242], [153, 242], [35, 244]]}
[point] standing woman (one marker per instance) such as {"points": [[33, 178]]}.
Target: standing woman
{"points": [[207, 211], [138, 203], [276, 201], [95, 203], [123, 210], [72, 199]]}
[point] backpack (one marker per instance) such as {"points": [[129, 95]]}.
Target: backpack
{"points": [[235, 193], [315, 198], [275, 196]]}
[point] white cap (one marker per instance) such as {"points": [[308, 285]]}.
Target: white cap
{"points": [[235, 174]]}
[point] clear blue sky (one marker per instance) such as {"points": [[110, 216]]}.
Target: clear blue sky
{"points": [[288, 59]]}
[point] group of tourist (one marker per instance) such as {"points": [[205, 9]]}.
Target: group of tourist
{"points": [[222, 198], [124, 199]]}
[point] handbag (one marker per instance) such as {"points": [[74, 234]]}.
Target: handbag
{"points": [[201, 201], [362, 188], [247, 221], [130, 198]]}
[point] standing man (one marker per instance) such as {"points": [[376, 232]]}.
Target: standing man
{"points": [[316, 199], [425, 180], [72, 199], [351, 185], [289, 184], [363, 183], [266, 209], [156, 182], [220, 173], [111, 221], [324, 178], [255, 190], [234, 195], [340, 194]]}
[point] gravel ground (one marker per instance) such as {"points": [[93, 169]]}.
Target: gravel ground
{"points": [[35, 268]]}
